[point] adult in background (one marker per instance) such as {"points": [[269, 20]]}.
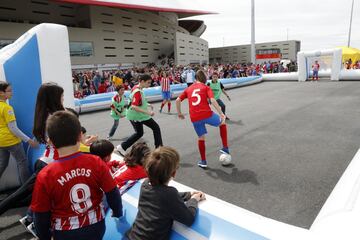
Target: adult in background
{"points": [[189, 76]]}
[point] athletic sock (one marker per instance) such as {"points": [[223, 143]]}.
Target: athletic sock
{"points": [[223, 135], [169, 106], [201, 145], [162, 105]]}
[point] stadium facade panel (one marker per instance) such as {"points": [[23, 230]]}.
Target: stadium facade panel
{"points": [[269, 51], [109, 35]]}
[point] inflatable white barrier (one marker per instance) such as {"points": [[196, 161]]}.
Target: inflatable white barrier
{"points": [[103, 100], [40, 55]]}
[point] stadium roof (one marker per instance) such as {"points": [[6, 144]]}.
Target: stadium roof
{"points": [[184, 8]]}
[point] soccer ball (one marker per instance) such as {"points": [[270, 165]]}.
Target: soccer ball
{"points": [[225, 159]]}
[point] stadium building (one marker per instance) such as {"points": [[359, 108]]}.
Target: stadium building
{"points": [[270, 51], [114, 33]]}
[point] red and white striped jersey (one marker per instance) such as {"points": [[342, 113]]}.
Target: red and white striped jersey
{"points": [[165, 84], [71, 189]]}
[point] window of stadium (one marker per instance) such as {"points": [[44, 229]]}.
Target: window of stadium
{"points": [[81, 49]]}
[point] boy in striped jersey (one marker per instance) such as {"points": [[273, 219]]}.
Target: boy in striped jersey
{"points": [[67, 196], [165, 83]]}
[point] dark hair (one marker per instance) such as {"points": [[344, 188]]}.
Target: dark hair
{"points": [[63, 129], [144, 77], [161, 165], [101, 148], [4, 86], [200, 76], [118, 87], [83, 130], [73, 111], [137, 155], [48, 101]]}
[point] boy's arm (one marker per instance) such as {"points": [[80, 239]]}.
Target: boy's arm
{"points": [[114, 200], [42, 225], [181, 212]]}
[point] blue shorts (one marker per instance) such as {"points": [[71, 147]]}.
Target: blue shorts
{"points": [[166, 95], [200, 127]]}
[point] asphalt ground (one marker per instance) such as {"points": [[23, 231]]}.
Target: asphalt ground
{"points": [[290, 143]]}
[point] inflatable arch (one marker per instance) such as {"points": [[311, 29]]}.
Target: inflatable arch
{"points": [[40, 55]]}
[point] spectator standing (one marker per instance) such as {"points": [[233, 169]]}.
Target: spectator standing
{"points": [[11, 136]]}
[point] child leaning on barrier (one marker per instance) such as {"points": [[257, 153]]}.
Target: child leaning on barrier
{"points": [[67, 196], [159, 204]]}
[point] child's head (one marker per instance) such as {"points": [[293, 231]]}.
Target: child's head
{"points": [[120, 89], [200, 76], [49, 100], [161, 165], [137, 155], [63, 129], [5, 90], [102, 148], [145, 80]]}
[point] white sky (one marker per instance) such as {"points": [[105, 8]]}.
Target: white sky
{"points": [[317, 24]]}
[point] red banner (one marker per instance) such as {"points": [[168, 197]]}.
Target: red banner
{"points": [[267, 56]]}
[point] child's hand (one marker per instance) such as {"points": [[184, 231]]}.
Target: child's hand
{"points": [[198, 196], [90, 139], [33, 144]]}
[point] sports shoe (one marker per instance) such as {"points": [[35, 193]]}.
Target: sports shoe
{"points": [[202, 164], [25, 222], [225, 150], [109, 138], [160, 110], [32, 230], [120, 149]]}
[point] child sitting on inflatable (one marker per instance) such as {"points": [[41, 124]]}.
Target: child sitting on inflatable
{"points": [[159, 204]]}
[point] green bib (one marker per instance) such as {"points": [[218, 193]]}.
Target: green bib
{"points": [[216, 88], [119, 106], [133, 115]]}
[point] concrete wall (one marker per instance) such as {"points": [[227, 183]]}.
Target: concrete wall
{"points": [[241, 53], [190, 49], [130, 37]]}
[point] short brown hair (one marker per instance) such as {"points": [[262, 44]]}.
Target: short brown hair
{"points": [[161, 164], [200, 76], [63, 129], [137, 155]]}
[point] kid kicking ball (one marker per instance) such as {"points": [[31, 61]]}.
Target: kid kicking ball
{"points": [[225, 159]]}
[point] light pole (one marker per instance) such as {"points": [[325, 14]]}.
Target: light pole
{"points": [[253, 31], [351, 15]]}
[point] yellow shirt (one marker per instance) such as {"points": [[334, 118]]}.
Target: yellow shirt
{"points": [[117, 81], [84, 148], [7, 115]]}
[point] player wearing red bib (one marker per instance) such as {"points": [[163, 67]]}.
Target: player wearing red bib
{"points": [[198, 96], [68, 193]]}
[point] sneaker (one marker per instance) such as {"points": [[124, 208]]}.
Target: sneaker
{"points": [[160, 110], [120, 149], [32, 230], [227, 118], [25, 222], [202, 164], [109, 138], [225, 150]]}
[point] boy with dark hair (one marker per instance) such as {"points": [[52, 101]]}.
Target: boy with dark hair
{"points": [[159, 205], [217, 87], [201, 114], [139, 115], [68, 192]]}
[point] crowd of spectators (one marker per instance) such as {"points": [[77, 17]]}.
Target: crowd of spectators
{"points": [[93, 81]]}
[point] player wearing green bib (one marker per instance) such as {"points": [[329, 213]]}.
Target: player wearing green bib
{"points": [[217, 88], [139, 115], [118, 109]]}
